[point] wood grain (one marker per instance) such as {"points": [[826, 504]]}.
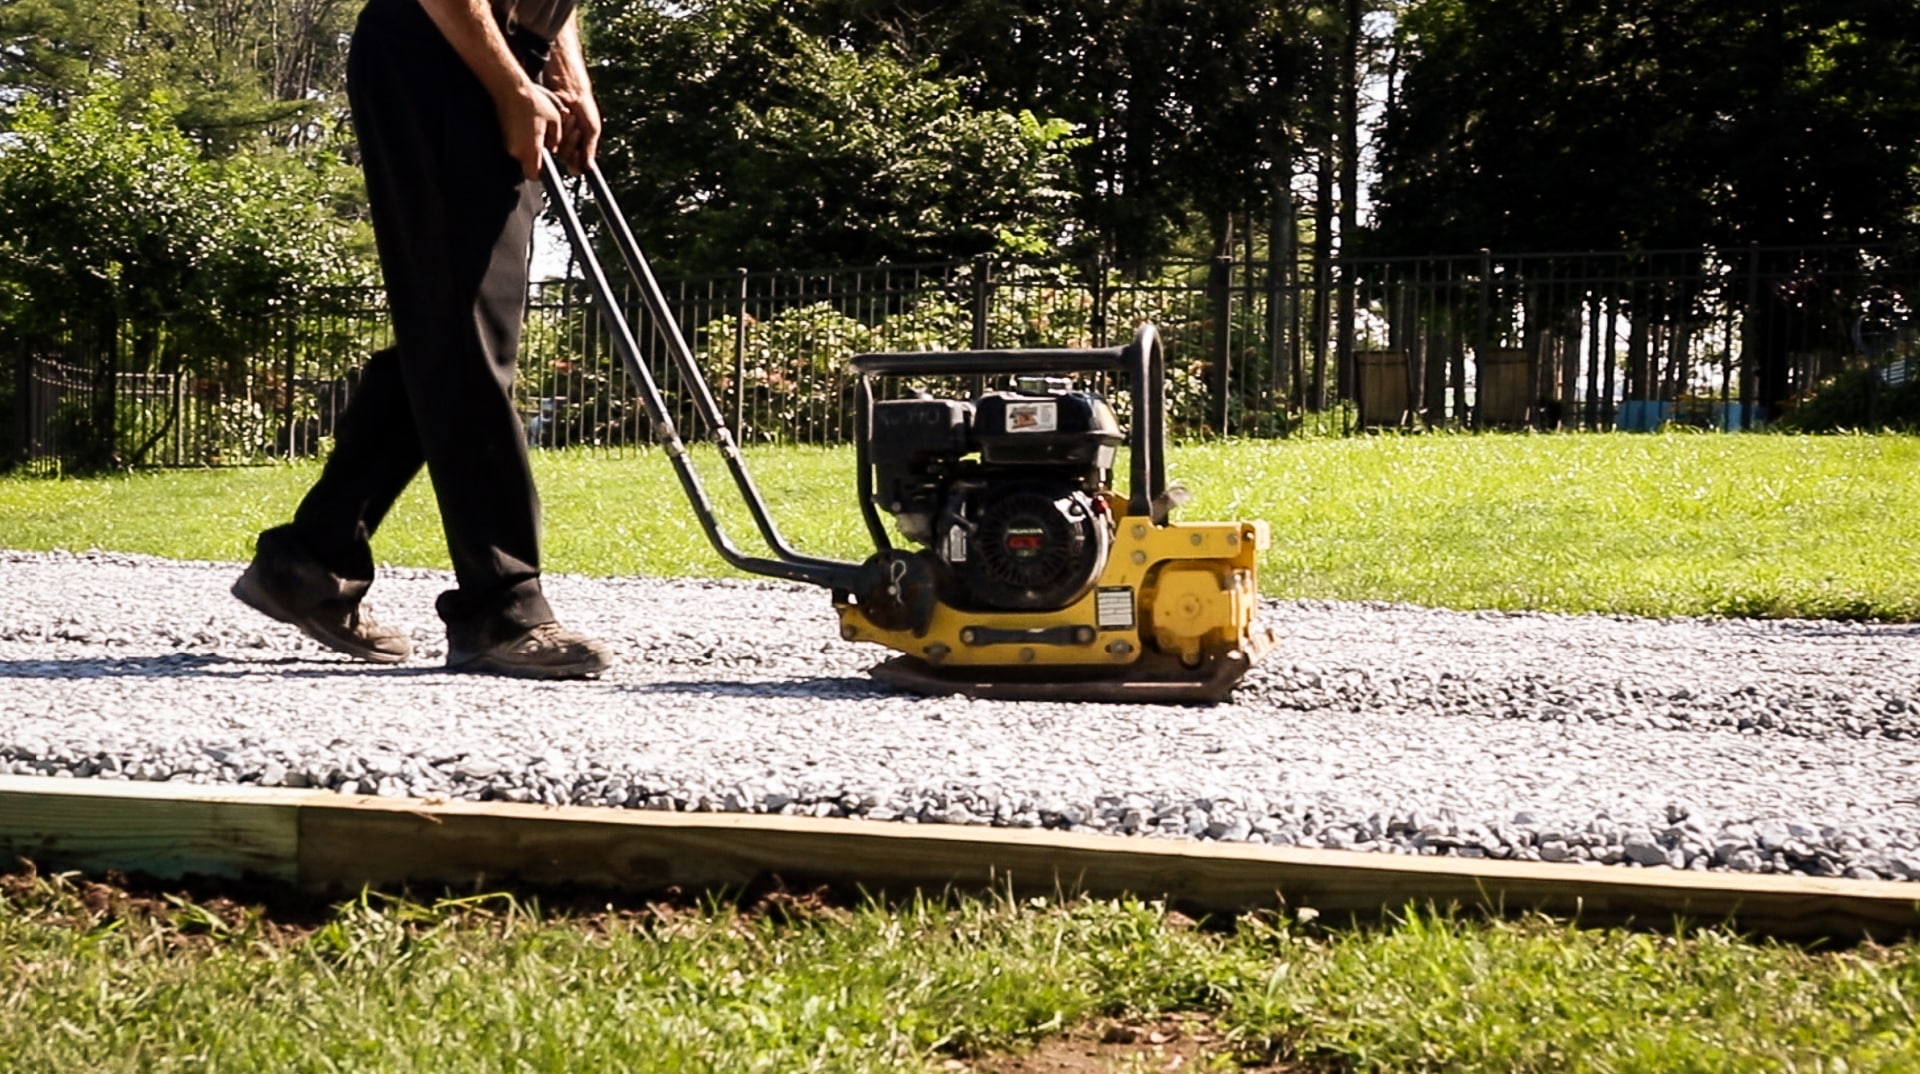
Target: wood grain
{"points": [[165, 830], [336, 843]]}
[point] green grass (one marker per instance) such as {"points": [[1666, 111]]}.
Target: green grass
{"points": [[1823, 527], [489, 985]]}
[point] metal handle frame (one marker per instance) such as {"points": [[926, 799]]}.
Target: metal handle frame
{"points": [[787, 563], [1142, 362]]}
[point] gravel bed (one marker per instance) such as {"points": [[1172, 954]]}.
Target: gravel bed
{"points": [[1753, 746]]}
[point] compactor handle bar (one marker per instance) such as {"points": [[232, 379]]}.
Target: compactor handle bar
{"points": [[788, 564], [1141, 362]]}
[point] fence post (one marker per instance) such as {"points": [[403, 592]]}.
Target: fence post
{"points": [[982, 299], [740, 360], [1343, 357], [22, 438], [1750, 340], [106, 377], [292, 329], [1482, 334], [1098, 324], [982, 307], [1220, 297]]}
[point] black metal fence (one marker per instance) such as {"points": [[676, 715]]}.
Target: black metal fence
{"points": [[1712, 339], [1600, 341]]}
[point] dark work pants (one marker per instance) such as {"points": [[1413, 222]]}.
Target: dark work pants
{"points": [[453, 219]]}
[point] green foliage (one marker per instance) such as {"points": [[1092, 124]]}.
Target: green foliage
{"points": [[101, 217], [799, 387], [1193, 110], [792, 372], [1648, 125], [121, 238], [1859, 399], [244, 74], [744, 140]]}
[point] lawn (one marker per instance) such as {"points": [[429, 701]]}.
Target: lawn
{"points": [[91, 980], [1821, 527]]}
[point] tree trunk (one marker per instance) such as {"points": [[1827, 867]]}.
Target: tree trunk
{"points": [[1322, 271], [1349, 192]]}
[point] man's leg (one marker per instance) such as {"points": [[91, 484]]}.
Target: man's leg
{"points": [[314, 572], [376, 454], [453, 218]]}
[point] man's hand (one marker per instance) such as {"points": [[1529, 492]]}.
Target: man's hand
{"points": [[566, 75], [560, 116], [580, 132], [532, 119]]}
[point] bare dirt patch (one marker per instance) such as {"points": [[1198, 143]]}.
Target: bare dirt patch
{"points": [[1183, 1043]]}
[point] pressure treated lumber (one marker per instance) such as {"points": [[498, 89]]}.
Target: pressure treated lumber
{"points": [[331, 843]]}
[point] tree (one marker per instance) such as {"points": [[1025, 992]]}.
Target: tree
{"points": [[1193, 110], [241, 73], [1570, 125], [123, 232], [1645, 124], [736, 138]]}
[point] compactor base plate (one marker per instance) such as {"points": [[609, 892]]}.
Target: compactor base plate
{"points": [[1162, 681]]}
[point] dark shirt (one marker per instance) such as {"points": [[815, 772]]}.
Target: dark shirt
{"points": [[541, 18]]}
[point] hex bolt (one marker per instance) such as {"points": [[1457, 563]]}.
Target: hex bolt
{"points": [[1120, 648]]}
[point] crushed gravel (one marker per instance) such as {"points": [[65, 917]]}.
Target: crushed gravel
{"points": [[1753, 746]]}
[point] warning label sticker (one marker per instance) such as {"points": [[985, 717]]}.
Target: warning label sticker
{"points": [[1113, 608], [1038, 416]]}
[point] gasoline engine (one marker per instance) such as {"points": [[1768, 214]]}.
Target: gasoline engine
{"points": [[1007, 495]]}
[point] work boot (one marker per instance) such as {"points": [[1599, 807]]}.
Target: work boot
{"points": [[343, 625], [548, 651]]}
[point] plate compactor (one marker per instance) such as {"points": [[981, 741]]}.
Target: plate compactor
{"points": [[1030, 576]]}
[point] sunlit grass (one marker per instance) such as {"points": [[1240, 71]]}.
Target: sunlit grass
{"points": [[1645, 524], [488, 984]]}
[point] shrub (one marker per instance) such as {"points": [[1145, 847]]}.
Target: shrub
{"points": [[1859, 399]]}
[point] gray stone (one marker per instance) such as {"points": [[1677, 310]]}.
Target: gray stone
{"points": [[1745, 861], [1643, 850]]}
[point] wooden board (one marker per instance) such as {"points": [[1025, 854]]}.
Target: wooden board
{"points": [[335, 843], [164, 829]]}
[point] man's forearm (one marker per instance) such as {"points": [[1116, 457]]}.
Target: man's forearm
{"points": [[566, 76], [530, 115], [566, 70], [469, 27]]}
